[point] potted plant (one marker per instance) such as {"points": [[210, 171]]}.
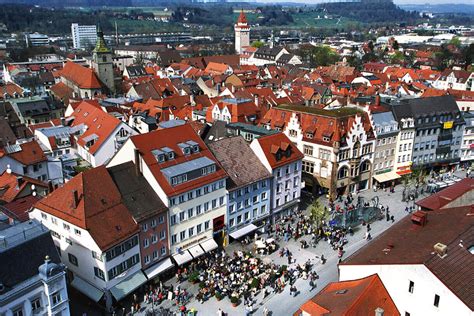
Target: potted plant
{"points": [[254, 283], [194, 277], [218, 296], [234, 300]]}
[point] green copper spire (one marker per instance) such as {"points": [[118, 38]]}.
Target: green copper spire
{"points": [[100, 46]]}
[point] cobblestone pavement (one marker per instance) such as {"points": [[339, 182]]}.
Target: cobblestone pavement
{"points": [[283, 304]]}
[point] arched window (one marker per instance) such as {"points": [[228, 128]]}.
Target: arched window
{"points": [[355, 150], [342, 173], [365, 166]]}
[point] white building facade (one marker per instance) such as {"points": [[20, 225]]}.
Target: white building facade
{"points": [[83, 36]]}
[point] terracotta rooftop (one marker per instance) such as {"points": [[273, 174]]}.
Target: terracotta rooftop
{"points": [[171, 137], [409, 243], [100, 125], [275, 146], [83, 77], [463, 189], [355, 297], [9, 189], [100, 210], [30, 153]]}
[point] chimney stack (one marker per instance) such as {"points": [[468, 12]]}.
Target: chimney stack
{"points": [[20, 181], [377, 100], [379, 311], [441, 249], [76, 198], [50, 186], [136, 153]]}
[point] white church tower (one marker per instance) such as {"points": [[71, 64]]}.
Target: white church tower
{"points": [[242, 33]]}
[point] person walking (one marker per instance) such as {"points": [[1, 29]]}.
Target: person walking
{"points": [[312, 284], [266, 312], [393, 219], [220, 312]]}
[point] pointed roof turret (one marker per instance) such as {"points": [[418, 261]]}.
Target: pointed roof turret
{"points": [[242, 18], [100, 46]]}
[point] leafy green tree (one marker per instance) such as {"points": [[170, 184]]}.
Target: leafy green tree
{"points": [[318, 212], [258, 44], [455, 41], [319, 55], [397, 58]]}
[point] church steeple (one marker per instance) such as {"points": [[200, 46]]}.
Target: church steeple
{"points": [[102, 61], [100, 45]]}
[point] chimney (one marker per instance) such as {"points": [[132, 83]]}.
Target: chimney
{"points": [[63, 121], [379, 311], [76, 198], [20, 181], [377, 100], [441, 249], [50, 187], [256, 100], [136, 153]]}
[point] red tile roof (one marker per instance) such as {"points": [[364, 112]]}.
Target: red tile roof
{"points": [[62, 92], [9, 189], [448, 195], [171, 137], [30, 153], [99, 211], [242, 18], [216, 68], [19, 208], [355, 297], [83, 77], [97, 121], [11, 89], [277, 144]]}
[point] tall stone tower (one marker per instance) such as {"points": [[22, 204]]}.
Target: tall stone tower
{"points": [[102, 62], [242, 33]]}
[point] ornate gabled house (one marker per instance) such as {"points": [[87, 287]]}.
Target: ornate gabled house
{"points": [[337, 145]]}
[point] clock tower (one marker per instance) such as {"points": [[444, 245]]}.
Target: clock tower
{"points": [[102, 62]]}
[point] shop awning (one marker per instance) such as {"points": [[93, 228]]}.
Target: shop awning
{"points": [[196, 251], [209, 245], [403, 172], [87, 289], [158, 268], [243, 231], [128, 285], [183, 257], [387, 176]]}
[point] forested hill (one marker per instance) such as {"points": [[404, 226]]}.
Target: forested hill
{"points": [[370, 11]]}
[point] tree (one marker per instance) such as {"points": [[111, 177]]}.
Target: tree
{"points": [[319, 55], [258, 44], [397, 58], [455, 41], [318, 212]]}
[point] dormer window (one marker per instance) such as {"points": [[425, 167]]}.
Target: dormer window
{"points": [[326, 139], [195, 148], [309, 135], [169, 153]]}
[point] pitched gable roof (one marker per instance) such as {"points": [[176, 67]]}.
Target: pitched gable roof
{"points": [[9, 189], [276, 146], [29, 153], [83, 77], [99, 210], [97, 123], [171, 137]]}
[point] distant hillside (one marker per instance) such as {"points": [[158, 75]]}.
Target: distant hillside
{"points": [[441, 8], [370, 11]]}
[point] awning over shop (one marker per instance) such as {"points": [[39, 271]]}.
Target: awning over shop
{"points": [[196, 251], [403, 172], [87, 289], [128, 285], [387, 176], [183, 257], [159, 268], [243, 231], [209, 245]]}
